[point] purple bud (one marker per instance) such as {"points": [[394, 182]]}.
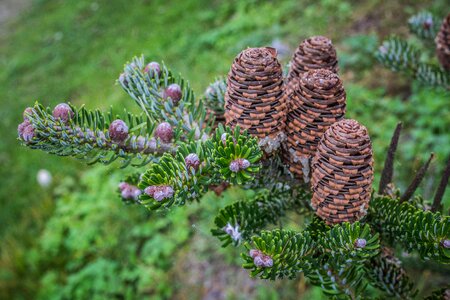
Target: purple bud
{"points": [[153, 67], [118, 131], [123, 80], [101, 135], [254, 253], [140, 142], [173, 92], [159, 192], [258, 261], [234, 166], [360, 243], [164, 132], [21, 127], [123, 185], [63, 112], [223, 138], [131, 192], [244, 164], [150, 190], [28, 133], [268, 261], [446, 243], [28, 111], [151, 144], [192, 161]]}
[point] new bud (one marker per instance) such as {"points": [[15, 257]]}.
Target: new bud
{"points": [[173, 92], [118, 131], [234, 166], [63, 112], [164, 132], [153, 68], [28, 111], [123, 80], [192, 161], [360, 243], [445, 244], [159, 192], [28, 133]]}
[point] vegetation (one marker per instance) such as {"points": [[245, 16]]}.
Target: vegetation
{"points": [[43, 255]]}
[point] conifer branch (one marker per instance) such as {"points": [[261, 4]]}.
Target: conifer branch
{"points": [[92, 135], [415, 229]]}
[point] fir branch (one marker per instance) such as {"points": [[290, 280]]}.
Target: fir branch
{"points": [[425, 25], [416, 181], [388, 170], [333, 260], [164, 97], [441, 188], [234, 155], [250, 217], [397, 55], [417, 230], [89, 135], [386, 273]]}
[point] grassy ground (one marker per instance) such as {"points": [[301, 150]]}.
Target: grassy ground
{"points": [[74, 50]]}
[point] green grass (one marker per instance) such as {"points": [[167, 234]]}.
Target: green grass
{"points": [[74, 51]]}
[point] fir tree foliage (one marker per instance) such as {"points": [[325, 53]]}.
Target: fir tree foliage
{"points": [[400, 55]]}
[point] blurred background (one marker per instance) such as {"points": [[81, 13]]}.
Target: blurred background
{"points": [[64, 232]]}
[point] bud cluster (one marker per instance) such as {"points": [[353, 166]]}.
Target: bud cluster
{"points": [[239, 164], [260, 259], [25, 129], [159, 192], [129, 191]]}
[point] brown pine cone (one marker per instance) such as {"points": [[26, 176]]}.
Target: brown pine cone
{"points": [[316, 103], [254, 99], [443, 43], [342, 173]]}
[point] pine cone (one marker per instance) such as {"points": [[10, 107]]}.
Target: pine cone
{"points": [[342, 173], [317, 101], [254, 99], [316, 52], [443, 44]]}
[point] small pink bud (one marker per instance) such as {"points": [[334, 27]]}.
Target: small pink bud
{"points": [[140, 142], [159, 192], [223, 138], [164, 132], [254, 253], [151, 144], [244, 164], [28, 111], [118, 131], [173, 92], [63, 112], [267, 261], [234, 166], [123, 80], [21, 127], [123, 185], [153, 67], [192, 161], [360, 243], [258, 261], [239, 164], [446, 243], [28, 133]]}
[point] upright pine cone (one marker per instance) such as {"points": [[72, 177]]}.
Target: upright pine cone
{"points": [[254, 99], [342, 173], [316, 52], [317, 101], [443, 43]]}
